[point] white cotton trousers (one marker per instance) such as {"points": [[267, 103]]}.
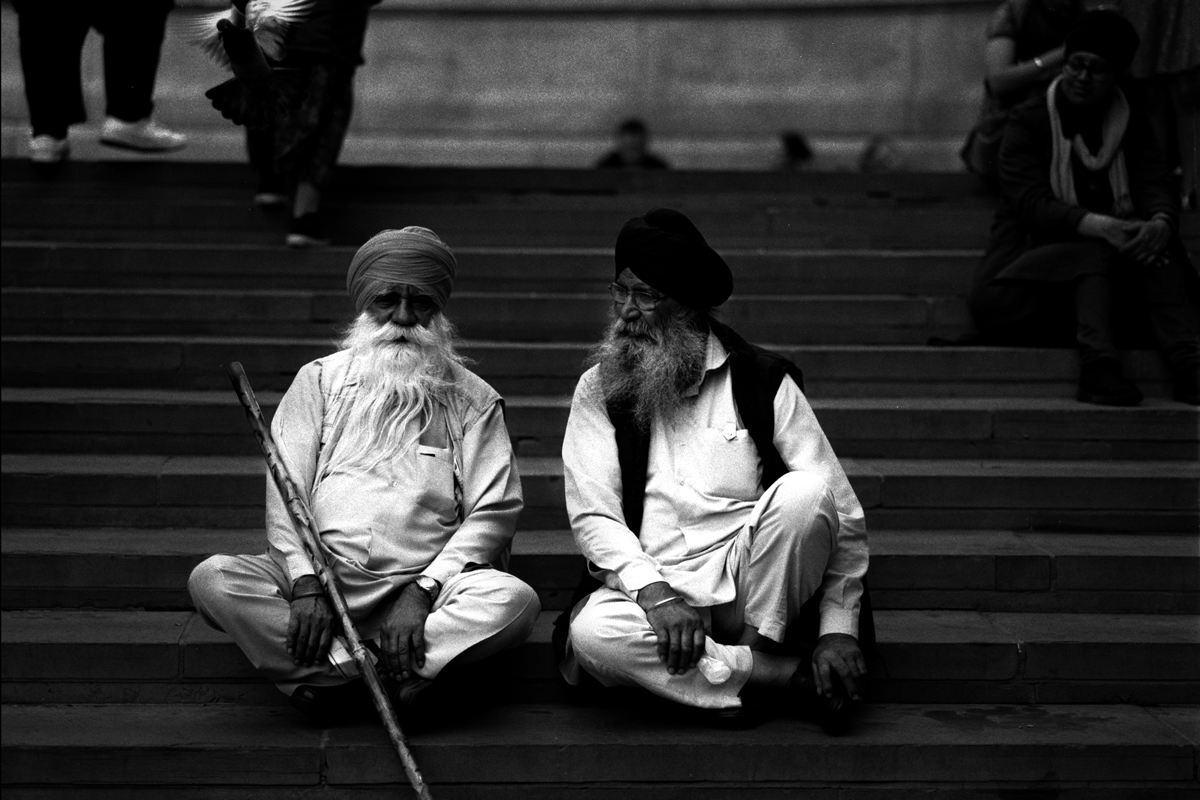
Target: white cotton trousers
{"points": [[777, 561], [477, 614]]}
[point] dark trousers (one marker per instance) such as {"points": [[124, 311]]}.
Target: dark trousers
{"points": [[1087, 306], [52, 35], [304, 147]]}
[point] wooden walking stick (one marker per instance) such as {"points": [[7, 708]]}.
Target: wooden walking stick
{"points": [[312, 543]]}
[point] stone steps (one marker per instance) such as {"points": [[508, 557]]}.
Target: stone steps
{"points": [[966, 569], [524, 221], [148, 421], [524, 368], [168, 178], [221, 266], [519, 316], [133, 656], [1028, 551], [626, 751], [227, 491]]}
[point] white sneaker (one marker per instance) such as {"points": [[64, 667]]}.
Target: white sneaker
{"points": [[145, 135], [45, 149]]}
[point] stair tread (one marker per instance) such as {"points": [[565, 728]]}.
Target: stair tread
{"points": [[98, 464], [202, 541], [543, 743], [134, 626]]}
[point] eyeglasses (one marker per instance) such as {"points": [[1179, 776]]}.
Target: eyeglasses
{"points": [[643, 301], [1077, 66]]}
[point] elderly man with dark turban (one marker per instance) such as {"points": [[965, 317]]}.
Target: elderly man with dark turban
{"points": [[1087, 231], [408, 468], [723, 539]]}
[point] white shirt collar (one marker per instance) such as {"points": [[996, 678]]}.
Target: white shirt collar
{"points": [[714, 358]]}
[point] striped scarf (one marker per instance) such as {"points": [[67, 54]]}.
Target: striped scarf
{"points": [[1110, 156]]}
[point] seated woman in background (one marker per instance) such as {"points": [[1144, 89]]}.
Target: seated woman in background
{"points": [[1023, 54], [1087, 216]]}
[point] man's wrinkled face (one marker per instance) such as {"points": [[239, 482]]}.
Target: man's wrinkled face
{"points": [[402, 307], [1089, 81], [644, 310]]}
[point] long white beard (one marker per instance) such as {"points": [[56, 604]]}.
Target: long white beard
{"points": [[403, 373], [652, 366]]}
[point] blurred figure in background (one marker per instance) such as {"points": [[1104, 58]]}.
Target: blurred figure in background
{"points": [[796, 154], [294, 159], [1166, 70], [52, 36], [880, 154], [1087, 229], [1023, 54], [632, 140]]}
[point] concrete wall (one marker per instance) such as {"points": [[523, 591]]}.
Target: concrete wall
{"points": [[541, 82]]}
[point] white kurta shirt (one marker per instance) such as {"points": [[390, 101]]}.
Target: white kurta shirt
{"points": [[399, 520], [702, 482]]}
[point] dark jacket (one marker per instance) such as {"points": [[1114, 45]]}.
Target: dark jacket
{"points": [[1029, 215], [756, 374]]}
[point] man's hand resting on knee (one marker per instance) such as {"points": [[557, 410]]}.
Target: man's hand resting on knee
{"points": [[838, 653], [678, 626], [403, 633], [310, 622]]}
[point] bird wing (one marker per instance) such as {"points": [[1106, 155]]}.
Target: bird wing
{"points": [[270, 21], [201, 31]]}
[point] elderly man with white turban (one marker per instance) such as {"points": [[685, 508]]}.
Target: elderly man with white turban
{"points": [[408, 468]]}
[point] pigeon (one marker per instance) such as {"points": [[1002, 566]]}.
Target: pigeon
{"points": [[246, 39]]}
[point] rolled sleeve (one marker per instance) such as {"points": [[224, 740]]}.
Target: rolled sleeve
{"points": [[803, 446], [296, 429], [592, 476]]}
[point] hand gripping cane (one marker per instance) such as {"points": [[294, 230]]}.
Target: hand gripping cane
{"points": [[312, 543]]}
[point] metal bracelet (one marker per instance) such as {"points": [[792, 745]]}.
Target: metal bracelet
{"points": [[664, 602]]}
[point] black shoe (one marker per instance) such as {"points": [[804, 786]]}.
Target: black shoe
{"points": [[305, 231], [417, 702], [330, 705], [750, 715], [1103, 382], [833, 713], [1186, 378]]}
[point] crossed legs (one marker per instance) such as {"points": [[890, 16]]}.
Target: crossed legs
{"points": [[476, 615], [777, 560]]}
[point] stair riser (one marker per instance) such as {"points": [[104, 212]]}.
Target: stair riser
{"points": [[139, 266], [183, 487], [171, 427], [899, 519], [552, 369], [463, 225], [858, 321], [904, 672], [1123, 584]]}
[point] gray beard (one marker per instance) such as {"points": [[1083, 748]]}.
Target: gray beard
{"points": [[649, 368], [402, 374]]}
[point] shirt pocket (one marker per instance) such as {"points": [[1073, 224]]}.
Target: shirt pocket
{"points": [[728, 465], [433, 482]]}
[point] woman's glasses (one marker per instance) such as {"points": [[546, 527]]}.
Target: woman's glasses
{"points": [[1096, 67]]}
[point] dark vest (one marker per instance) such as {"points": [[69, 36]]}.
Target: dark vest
{"points": [[755, 374]]}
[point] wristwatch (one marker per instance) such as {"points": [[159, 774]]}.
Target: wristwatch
{"points": [[429, 586]]}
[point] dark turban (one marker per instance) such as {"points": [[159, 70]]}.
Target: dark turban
{"points": [[666, 251], [1106, 34], [412, 255]]}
